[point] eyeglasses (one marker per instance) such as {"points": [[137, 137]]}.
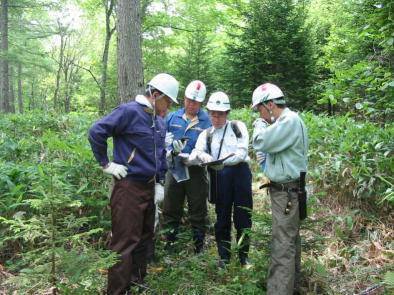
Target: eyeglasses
{"points": [[216, 114]]}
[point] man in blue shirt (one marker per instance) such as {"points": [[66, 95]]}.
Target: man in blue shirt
{"points": [[138, 167], [188, 122]]}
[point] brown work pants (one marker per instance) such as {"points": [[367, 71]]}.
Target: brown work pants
{"points": [[132, 215]]}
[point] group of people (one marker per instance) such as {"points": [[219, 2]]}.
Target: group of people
{"points": [[198, 156]]}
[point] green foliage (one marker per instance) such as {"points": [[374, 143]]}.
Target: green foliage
{"points": [[355, 55], [272, 47], [182, 272], [53, 210], [352, 159], [389, 279]]}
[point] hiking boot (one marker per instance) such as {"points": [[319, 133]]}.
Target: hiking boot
{"points": [[245, 263], [222, 263]]}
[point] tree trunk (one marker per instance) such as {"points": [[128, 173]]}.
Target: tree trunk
{"points": [[31, 100], [12, 92], [59, 70], [4, 62], [130, 68], [20, 98], [108, 34]]}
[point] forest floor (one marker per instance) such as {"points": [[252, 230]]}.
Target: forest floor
{"points": [[344, 251]]}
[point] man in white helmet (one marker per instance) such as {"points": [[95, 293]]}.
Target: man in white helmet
{"points": [[138, 168], [282, 135], [183, 129], [231, 181]]}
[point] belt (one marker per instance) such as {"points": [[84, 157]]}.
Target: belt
{"points": [[142, 180], [286, 187]]}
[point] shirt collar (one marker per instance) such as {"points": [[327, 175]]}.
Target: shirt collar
{"points": [[141, 99], [284, 113], [220, 127]]}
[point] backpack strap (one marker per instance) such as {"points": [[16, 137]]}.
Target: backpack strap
{"points": [[235, 128], [209, 139]]}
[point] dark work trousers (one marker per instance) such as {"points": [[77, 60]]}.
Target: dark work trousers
{"points": [[234, 193], [196, 191], [133, 216]]}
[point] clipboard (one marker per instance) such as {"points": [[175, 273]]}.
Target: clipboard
{"points": [[217, 162], [179, 171]]}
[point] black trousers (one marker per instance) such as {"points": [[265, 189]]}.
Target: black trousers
{"points": [[234, 198]]}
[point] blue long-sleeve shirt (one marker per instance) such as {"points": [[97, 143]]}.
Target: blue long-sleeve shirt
{"points": [[180, 127], [138, 143]]}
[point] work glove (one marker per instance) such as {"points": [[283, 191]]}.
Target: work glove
{"points": [[204, 157], [192, 160], [159, 193], [169, 139], [260, 157], [178, 146], [117, 170]]}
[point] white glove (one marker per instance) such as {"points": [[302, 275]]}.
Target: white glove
{"points": [[159, 193], [205, 158], [192, 160], [169, 139], [260, 157], [117, 170], [178, 146]]}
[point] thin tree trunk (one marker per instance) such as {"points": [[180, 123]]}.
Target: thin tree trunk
{"points": [[4, 62], [109, 5], [12, 91], [31, 100], [59, 70], [130, 68], [20, 98]]}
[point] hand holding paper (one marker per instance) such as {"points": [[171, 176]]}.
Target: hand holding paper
{"points": [[205, 158]]}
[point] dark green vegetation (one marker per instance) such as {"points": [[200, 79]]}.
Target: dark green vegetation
{"points": [[58, 69], [328, 56], [55, 220]]}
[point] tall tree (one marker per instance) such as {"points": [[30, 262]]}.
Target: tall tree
{"points": [[70, 70], [195, 64], [63, 34], [20, 98], [11, 90], [273, 46], [130, 67], [108, 7], [5, 106]]}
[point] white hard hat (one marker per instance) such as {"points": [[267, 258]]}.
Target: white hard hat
{"points": [[196, 90], [167, 84], [218, 101], [266, 92]]}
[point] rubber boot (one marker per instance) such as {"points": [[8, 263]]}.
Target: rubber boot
{"points": [[243, 248], [198, 238], [171, 237]]}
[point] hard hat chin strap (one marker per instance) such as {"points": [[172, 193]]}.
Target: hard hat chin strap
{"points": [[272, 118]]}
